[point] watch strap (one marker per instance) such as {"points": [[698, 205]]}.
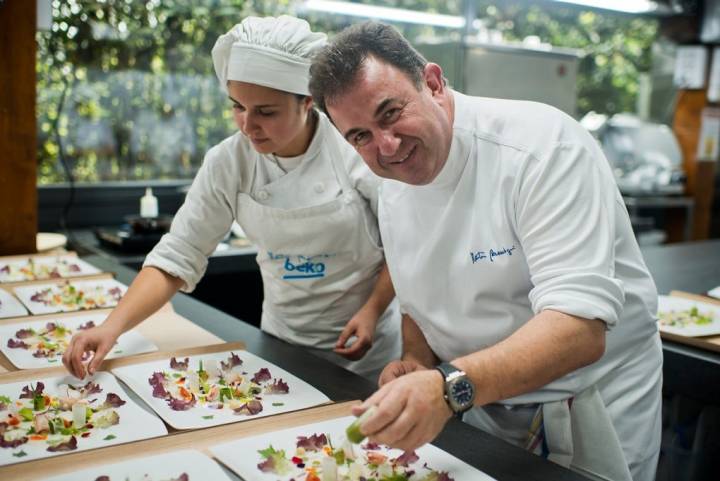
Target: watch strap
{"points": [[446, 369], [449, 372]]}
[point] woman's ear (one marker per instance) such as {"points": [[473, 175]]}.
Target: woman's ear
{"points": [[308, 102]]}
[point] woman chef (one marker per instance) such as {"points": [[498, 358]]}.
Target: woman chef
{"points": [[301, 194]]}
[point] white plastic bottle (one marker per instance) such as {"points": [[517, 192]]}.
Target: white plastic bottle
{"points": [[148, 204]]}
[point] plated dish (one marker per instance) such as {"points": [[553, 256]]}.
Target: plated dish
{"points": [[37, 344], [9, 306], [687, 317], [187, 465], [319, 452], [71, 295], [44, 267], [217, 388], [53, 416]]}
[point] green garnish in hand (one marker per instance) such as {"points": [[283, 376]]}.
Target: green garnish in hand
{"points": [[353, 431]]}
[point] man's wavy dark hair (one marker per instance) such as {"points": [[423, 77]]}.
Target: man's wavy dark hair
{"points": [[336, 66]]}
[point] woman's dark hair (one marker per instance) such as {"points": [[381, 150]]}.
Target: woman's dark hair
{"points": [[336, 66]]}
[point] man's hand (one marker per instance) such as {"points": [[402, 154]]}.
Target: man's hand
{"points": [[411, 410], [98, 339], [361, 326], [398, 368]]}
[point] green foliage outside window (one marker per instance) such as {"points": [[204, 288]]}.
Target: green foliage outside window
{"points": [[128, 85], [616, 47]]}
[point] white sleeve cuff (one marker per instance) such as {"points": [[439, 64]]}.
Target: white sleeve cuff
{"points": [[587, 295], [178, 258]]}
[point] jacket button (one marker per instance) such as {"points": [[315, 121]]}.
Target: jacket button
{"points": [[319, 188], [263, 195]]}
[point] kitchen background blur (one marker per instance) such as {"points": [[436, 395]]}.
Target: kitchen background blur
{"points": [[104, 98]]}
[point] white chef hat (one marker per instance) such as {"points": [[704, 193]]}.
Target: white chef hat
{"points": [[273, 52]]}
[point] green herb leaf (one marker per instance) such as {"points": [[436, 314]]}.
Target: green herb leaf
{"points": [[210, 416], [19, 454], [278, 404], [109, 437], [269, 451]]}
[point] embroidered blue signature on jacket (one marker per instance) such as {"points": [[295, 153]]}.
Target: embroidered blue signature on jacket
{"points": [[491, 254]]}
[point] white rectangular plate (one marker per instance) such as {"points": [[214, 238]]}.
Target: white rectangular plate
{"points": [[195, 464], [668, 303], [714, 292], [26, 293], [246, 464], [9, 306], [128, 344], [301, 394], [44, 267], [135, 422]]}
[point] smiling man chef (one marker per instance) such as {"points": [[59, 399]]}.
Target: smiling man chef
{"points": [[527, 304]]}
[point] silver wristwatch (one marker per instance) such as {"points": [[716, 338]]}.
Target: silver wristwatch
{"points": [[459, 389]]}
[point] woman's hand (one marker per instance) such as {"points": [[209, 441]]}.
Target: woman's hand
{"points": [[362, 327], [98, 339]]}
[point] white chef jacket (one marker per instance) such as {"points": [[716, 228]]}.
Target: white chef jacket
{"points": [[525, 216], [234, 176]]}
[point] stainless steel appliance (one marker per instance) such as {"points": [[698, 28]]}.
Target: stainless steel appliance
{"points": [[522, 72]]}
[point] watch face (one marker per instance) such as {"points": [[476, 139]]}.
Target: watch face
{"points": [[462, 392]]}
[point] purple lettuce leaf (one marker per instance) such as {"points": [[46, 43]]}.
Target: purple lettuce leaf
{"points": [[29, 392], [39, 296], [112, 400], [24, 333], [69, 445], [405, 459], [249, 408], [5, 269], [262, 375], [278, 386], [74, 268], [156, 381], [116, 292], [232, 361], [87, 389], [182, 477], [41, 353], [102, 478], [312, 443], [50, 327], [13, 344], [12, 444], [179, 365], [181, 404], [87, 325], [371, 446], [267, 466]]}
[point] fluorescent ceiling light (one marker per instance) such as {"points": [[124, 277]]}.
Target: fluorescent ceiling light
{"points": [[384, 13], [628, 6]]}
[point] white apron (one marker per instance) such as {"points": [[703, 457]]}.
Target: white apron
{"points": [[319, 265], [579, 432]]}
